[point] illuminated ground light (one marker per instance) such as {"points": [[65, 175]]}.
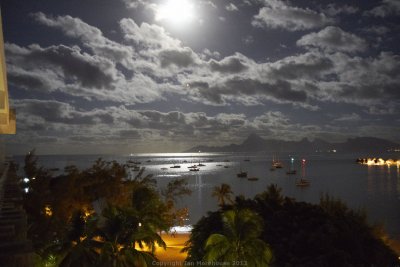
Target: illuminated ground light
{"points": [[378, 162], [182, 229], [175, 241]]}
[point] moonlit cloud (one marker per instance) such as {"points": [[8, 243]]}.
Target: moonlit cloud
{"points": [[348, 118], [333, 39], [231, 64], [231, 7], [385, 9], [125, 81], [378, 30], [277, 14], [334, 9]]}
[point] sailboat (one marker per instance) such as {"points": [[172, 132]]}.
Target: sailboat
{"points": [[175, 166], [303, 182], [276, 164], [136, 168], [200, 164], [194, 168], [241, 173]]}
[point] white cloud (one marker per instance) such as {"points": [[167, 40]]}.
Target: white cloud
{"points": [[247, 40], [231, 7], [348, 118], [376, 29], [385, 9], [333, 39], [334, 9], [91, 37], [277, 14], [160, 67]]}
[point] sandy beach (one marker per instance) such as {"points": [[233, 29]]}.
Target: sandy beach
{"points": [[175, 243]]}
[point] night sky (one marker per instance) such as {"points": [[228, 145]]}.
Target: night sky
{"points": [[126, 76]]}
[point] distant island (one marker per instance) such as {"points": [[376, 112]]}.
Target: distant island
{"points": [[255, 143]]}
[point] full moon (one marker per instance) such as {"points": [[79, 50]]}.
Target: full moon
{"points": [[175, 11]]}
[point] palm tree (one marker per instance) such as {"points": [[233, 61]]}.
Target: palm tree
{"points": [[114, 256], [120, 237], [239, 241], [82, 254], [272, 196], [175, 190], [223, 194], [120, 231], [77, 246]]}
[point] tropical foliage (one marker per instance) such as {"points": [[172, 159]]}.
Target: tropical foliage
{"points": [[223, 194], [298, 233], [239, 241], [98, 216]]}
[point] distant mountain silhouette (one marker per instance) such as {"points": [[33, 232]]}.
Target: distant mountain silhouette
{"points": [[255, 143]]}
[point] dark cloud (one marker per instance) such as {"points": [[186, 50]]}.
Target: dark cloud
{"points": [[200, 85], [74, 65], [272, 120], [182, 58], [231, 64], [130, 134], [334, 9], [306, 66], [30, 80], [46, 139], [82, 139], [59, 112], [281, 91], [89, 71], [172, 120], [186, 125]]}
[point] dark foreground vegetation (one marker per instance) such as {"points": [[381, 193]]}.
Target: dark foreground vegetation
{"points": [[297, 233], [98, 217]]}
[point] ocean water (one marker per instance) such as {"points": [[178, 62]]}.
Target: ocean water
{"points": [[376, 189]]}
